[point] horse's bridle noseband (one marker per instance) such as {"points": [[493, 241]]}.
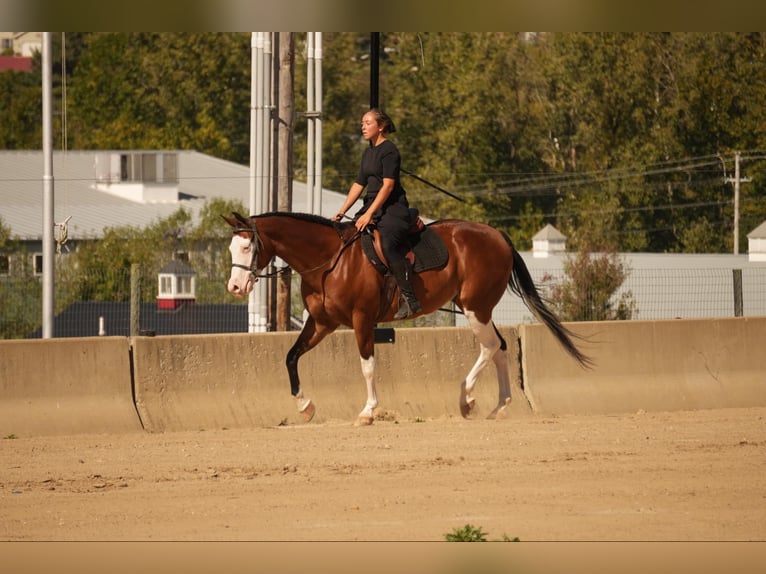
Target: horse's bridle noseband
{"points": [[253, 267]]}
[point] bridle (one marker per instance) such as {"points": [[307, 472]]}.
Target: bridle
{"points": [[253, 267]]}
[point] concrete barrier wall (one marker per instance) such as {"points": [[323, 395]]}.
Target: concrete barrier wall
{"points": [[66, 386], [69, 386], [648, 365], [240, 380]]}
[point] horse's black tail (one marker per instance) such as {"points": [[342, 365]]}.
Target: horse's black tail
{"points": [[521, 284]]}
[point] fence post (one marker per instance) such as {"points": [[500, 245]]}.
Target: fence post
{"points": [[135, 299], [738, 307]]}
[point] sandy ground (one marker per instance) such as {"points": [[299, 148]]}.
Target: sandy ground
{"points": [[681, 476]]}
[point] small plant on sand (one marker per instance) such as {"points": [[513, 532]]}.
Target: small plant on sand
{"points": [[470, 533]]}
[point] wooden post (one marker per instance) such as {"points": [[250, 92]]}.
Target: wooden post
{"points": [[738, 305], [135, 299]]}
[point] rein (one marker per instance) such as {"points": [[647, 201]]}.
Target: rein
{"points": [[253, 267]]}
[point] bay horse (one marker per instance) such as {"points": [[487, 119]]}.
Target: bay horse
{"points": [[340, 286]]}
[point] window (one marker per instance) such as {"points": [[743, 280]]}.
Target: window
{"points": [[169, 168], [184, 285], [148, 166], [166, 285], [37, 263], [5, 264]]}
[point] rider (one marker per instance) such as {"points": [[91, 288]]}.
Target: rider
{"points": [[385, 203]]}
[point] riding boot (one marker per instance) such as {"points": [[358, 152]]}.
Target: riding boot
{"points": [[408, 302]]}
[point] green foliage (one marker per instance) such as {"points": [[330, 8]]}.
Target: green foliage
{"points": [[20, 306], [100, 270], [163, 90], [20, 102], [470, 533], [588, 290], [20, 291]]}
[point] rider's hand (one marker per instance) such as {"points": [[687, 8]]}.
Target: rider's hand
{"points": [[363, 221]]}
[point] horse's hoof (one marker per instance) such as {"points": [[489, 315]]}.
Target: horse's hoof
{"points": [[468, 407], [308, 412], [364, 421], [502, 412]]}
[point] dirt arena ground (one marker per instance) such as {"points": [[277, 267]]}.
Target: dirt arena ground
{"points": [[677, 476]]}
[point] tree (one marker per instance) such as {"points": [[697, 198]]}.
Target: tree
{"points": [[20, 291], [587, 292], [100, 270], [20, 101], [622, 134], [163, 90]]}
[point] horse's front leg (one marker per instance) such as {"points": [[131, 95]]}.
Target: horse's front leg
{"points": [[309, 338], [365, 339]]}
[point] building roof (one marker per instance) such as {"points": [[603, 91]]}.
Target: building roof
{"points": [[177, 267], [15, 63], [200, 177], [759, 232], [549, 233], [84, 319]]}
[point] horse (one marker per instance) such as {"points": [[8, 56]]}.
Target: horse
{"points": [[340, 286]]}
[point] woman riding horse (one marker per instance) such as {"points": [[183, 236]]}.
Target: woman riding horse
{"points": [[385, 203]]}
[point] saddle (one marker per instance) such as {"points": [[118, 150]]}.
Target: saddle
{"points": [[425, 251]]}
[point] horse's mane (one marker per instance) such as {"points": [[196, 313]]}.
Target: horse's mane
{"points": [[310, 217]]}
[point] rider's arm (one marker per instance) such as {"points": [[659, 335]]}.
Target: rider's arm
{"points": [[353, 194]]}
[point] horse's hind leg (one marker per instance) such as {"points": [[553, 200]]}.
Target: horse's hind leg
{"points": [[489, 343], [504, 383]]}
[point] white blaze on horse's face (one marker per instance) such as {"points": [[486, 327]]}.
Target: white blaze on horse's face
{"points": [[241, 280]]}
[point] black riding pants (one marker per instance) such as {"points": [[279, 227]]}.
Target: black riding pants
{"points": [[394, 226]]}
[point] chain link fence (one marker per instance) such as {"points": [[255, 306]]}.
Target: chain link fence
{"points": [[100, 304]]}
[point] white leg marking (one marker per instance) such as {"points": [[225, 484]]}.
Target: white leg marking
{"points": [[368, 371], [489, 344], [504, 386], [305, 407]]}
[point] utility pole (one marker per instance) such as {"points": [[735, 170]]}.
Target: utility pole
{"points": [[736, 180], [374, 69], [48, 202], [285, 121]]}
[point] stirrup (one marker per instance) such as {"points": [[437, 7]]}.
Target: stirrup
{"points": [[406, 310]]}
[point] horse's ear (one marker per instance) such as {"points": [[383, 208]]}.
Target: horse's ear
{"points": [[230, 221], [243, 220]]}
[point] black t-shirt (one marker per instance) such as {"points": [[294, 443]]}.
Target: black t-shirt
{"points": [[378, 162]]}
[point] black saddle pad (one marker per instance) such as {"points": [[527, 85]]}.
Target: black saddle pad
{"points": [[428, 248]]}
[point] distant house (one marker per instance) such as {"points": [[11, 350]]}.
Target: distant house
{"points": [[756, 243], [21, 44], [548, 241], [94, 190], [176, 286]]}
